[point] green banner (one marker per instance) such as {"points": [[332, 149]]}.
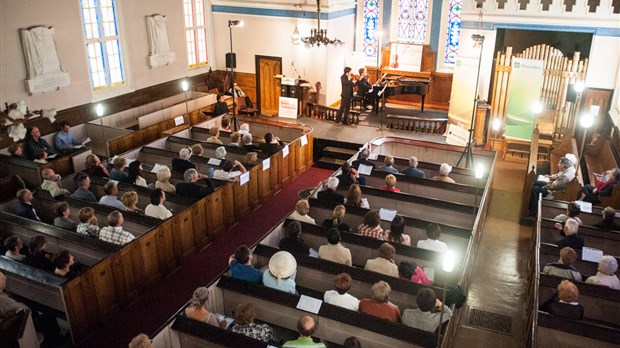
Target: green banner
{"points": [[524, 88]]}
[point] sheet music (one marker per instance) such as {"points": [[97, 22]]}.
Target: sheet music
{"points": [[86, 141], [364, 169], [309, 304], [585, 207], [214, 161], [178, 121], [387, 214], [157, 167], [430, 273], [78, 146], [52, 156], [591, 254], [373, 156], [542, 178]]}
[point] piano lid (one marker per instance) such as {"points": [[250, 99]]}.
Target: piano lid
{"points": [[400, 73]]}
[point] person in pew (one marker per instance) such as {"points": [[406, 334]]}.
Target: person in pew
{"points": [[350, 176], [554, 183], [88, 222], [330, 194], [220, 107], [572, 239], [191, 188], [352, 342], [83, 182], [412, 272], [235, 139], [363, 159], [225, 124], [157, 209], [114, 233], [282, 266], [383, 264], [197, 150], [182, 163], [354, 197], [244, 129], [14, 246], [118, 172], [388, 165], [40, 156], [141, 341], [133, 174], [247, 143], [444, 171], [306, 327], [215, 136], [64, 141], [111, 191], [572, 210], [302, 208], [33, 142], [371, 227], [396, 233], [379, 305], [244, 324], [197, 308], [220, 153], [130, 201], [94, 167], [62, 219], [335, 251], [240, 94], [65, 265], [38, 257], [292, 242], [390, 183], [426, 316], [241, 266], [603, 186], [608, 222], [271, 145], [251, 159], [24, 206], [16, 150], [564, 267], [433, 232], [605, 275], [564, 302], [413, 170], [340, 297], [336, 220], [50, 183], [163, 180]]}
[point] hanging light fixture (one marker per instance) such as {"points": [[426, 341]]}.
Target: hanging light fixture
{"points": [[296, 37], [318, 36]]}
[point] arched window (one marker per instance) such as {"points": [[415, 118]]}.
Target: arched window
{"points": [[370, 26], [412, 21], [454, 30], [195, 33]]}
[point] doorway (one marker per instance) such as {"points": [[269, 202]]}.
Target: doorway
{"points": [[267, 86]]}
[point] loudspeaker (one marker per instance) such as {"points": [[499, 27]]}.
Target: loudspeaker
{"points": [[294, 92], [231, 60], [284, 90]]}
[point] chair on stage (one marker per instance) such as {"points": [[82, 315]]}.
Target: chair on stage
{"points": [[244, 109]]}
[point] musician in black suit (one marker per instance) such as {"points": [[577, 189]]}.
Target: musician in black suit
{"points": [[346, 95], [220, 107], [363, 87]]}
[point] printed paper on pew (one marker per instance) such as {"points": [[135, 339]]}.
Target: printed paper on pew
{"points": [[78, 146], [285, 151], [364, 169], [387, 214], [304, 140], [86, 141], [430, 273], [542, 178], [52, 155], [227, 320], [591, 254], [314, 253], [157, 167], [244, 178], [309, 304], [178, 121], [266, 164], [585, 207], [214, 161], [373, 156]]}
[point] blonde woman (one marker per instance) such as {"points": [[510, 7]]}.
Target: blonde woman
{"points": [[251, 159], [118, 173], [336, 220], [163, 180], [130, 201], [390, 183], [302, 208]]}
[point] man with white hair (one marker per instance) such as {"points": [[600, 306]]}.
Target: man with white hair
{"points": [[191, 188], [572, 239], [247, 143], [362, 158], [606, 276], [330, 194], [413, 168], [50, 183], [555, 183], [444, 171]]}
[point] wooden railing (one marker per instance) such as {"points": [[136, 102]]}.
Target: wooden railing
{"points": [[419, 124], [324, 112]]}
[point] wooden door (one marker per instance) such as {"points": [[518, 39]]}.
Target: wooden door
{"points": [[267, 86]]}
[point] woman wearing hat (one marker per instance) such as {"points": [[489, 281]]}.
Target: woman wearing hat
{"points": [[197, 309], [444, 171], [282, 266]]}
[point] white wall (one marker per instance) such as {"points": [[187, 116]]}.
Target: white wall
{"points": [[604, 62]]}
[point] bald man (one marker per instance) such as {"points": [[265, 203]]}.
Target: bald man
{"points": [[306, 327]]}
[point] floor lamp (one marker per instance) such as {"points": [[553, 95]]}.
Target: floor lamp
{"points": [[579, 86], [495, 125], [467, 152], [379, 34], [586, 121], [449, 260], [99, 110], [479, 173], [231, 25], [185, 87]]}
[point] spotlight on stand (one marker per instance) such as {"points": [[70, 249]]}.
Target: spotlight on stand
{"points": [[185, 88], [100, 110], [496, 125], [586, 121], [448, 263], [231, 24], [537, 108]]}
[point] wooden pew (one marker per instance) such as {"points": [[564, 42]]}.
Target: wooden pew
{"points": [[553, 208], [560, 332], [460, 175], [607, 241], [551, 253], [194, 333], [600, 157]]}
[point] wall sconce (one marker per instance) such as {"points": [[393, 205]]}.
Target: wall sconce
{"points": [[296, 37]]}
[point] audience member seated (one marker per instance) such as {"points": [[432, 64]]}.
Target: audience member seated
{"points": [[383, 264], [40, 156], [197, 308], [130, 201], [606, 276], [38, 257], [50, 183], [235, 139], [111, 191], [349, 176], [335, 251], [141, 341], [191, 188], [433, 232], [247, 143], [371, 226], [564, 302], [396, 232], [350, 342], [292, 242], [251, 159], [94, 167], [62, 219], [608, 223], [282, 266], [363, 159], [572, 210], [197, 150], [34, 142], [238, 92], [225, 124], [24, 206], [603, 186], [8, 307], [133, 176], [244, 324], [555, 182], [118, 172], [390, 183], [354, 197], [412, 272], [340, 297], [330, 194], [64, 265], [389, 165], [163, 180], [444, 171], [430, 309], [336, 220], [241, 266], [220, 153], [302, 208], [182, 163], [16, 150], [413, 169], [64, 141], [14, 246], [563, 268], [83, 182], [220, 107], [157, 209], [114, 233], [271, 145], [306, 327], [88, 222], [244, 129], [230, 170], [572, 239], [378, 306], [215, 136]]}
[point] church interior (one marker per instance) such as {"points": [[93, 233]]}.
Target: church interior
{"points": [[155, 155]]}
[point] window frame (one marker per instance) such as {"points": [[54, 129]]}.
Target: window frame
{"points": [[206, 28]]}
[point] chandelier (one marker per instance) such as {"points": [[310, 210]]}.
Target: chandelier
{"points": [[318, 36]]}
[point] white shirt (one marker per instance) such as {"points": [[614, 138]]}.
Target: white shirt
{"points": [[303, 218], [430, 244], [221, 174], [140, 181], [345, 301], [605, 280], [157, 211]]}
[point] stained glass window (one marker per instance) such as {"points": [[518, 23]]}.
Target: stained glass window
{"points": [[412, 20], [195, 32], [371, 24], [454, 30]]}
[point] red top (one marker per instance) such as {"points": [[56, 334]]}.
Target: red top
{"points": [[393, 189], [380, 310]]}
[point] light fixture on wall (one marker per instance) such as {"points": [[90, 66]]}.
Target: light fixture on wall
{"points": [[318, 36], [296, 37]]}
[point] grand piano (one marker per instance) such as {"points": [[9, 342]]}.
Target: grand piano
{"points": [[390, 85]]}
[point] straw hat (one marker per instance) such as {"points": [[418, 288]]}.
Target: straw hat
{"points": [[282, 264]]}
